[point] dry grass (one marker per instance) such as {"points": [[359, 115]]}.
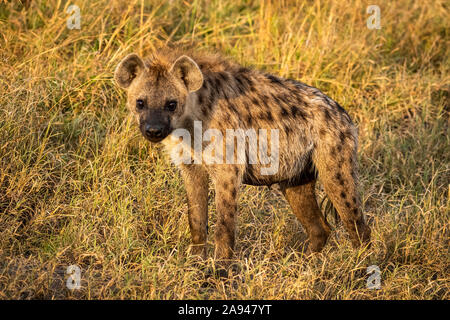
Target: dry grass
{"points": [[78, 185]]}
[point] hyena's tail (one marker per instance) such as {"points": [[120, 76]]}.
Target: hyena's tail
{"points": [[328, 209], [335, 159]]}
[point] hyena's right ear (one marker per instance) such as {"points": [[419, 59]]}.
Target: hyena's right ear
{"points": [[128, 69]]}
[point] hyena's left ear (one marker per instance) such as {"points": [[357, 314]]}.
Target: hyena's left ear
{"points": [[128, 69], [185, 69]]}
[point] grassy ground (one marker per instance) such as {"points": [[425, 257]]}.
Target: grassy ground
{"points": [[78, 185]]}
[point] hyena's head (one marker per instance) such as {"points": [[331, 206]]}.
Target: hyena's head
{"points": [[158, 93]]}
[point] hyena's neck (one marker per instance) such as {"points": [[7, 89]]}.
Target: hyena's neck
{"points": [[219, 91], [194, 112], [200, 106]]}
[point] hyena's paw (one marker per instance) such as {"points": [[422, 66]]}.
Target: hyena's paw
{"points": [[198, 251], [318, 240], [363, 237], [224, 269]]}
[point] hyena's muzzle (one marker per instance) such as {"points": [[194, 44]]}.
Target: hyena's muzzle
{"points": [[155, 125]]}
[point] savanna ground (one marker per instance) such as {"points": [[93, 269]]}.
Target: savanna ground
{"points": [[79, 186]]}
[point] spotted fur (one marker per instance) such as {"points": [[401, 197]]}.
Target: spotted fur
{"points": [[317, 139]]}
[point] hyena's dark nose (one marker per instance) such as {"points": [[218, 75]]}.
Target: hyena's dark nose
{"points": [[153, 132]]}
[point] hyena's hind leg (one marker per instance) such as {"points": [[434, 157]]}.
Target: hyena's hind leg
{"points": [[303, 202], [336, 163]]}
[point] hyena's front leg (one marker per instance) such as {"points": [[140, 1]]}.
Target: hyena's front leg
{"points": [[227, 181], [196, 183]]}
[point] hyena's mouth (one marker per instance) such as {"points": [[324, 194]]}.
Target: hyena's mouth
{"points": [[156, 137]]}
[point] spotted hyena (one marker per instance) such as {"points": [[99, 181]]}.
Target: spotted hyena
{"points": [[173, 90]]}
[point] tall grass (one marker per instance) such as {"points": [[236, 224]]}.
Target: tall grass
{"points": [[78, 185]]}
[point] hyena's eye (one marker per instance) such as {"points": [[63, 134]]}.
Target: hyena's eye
{"points": [[140, 104], [171, 105]]}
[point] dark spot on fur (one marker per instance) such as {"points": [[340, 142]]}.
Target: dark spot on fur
{"points": [[206, 84], [339, 108], [223, 76], [211, 103], [269, 116], [226, 95], [264, 99], [244, 75], [274, 79], [249, 119], [302, 114], [284, 113], [340, 179], [322, 132], [214, 84], [294, 111], [208, 105], [327, 115], [261, 116], [217, 85], [284, 98], [232, 107], [347, 204], [240, 85], [342, 137], [243, 70], [349, 134], [287, 129], [200, 98], [249, 81], [276, 99], [343, 195], [333, 151]]}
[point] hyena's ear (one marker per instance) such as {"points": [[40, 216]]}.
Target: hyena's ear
{"points": [[128, 69], [185, 69]]}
